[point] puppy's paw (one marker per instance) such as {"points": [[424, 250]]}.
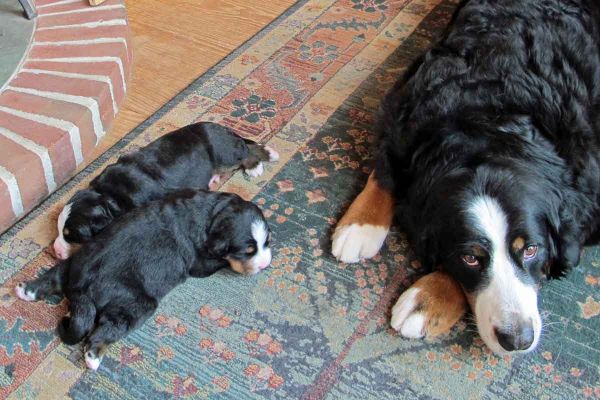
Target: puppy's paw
{"points": [[92, 361], [430, 307], [273, 154], [214, 181], [23, 293], [351, 243], [256, 171]]}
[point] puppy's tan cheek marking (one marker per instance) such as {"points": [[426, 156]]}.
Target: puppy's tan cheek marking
{"points": [[518, 244], [236, 265]]}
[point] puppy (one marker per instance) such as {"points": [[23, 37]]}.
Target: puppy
{"points": [[187, 157], [115, 282]]}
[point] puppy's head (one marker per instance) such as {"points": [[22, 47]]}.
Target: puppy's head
{"points": [[240, 234], [228, 148], [81, 219]]}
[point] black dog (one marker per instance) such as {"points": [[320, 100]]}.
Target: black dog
{"points": [[115, 282], [185, 158], [490, 146]]}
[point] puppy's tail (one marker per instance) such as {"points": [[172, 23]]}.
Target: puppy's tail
{"points": [[81, 322]]}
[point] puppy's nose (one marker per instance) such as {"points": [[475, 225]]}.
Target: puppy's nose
{"points": [[519, 338], [264, 264], [60, 251]]}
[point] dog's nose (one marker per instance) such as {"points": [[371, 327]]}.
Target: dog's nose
{"points": [[60, 250], [519, 338]]}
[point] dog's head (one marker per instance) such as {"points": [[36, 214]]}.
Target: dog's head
{"points": [[81, 219], [499, 226], [239, 233], [227, 147]]}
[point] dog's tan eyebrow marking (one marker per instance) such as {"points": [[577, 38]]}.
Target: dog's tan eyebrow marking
{"points": [[518, 244], [478, 251]]}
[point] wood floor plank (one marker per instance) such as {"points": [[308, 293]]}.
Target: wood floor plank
{"points": [[175, 41]]}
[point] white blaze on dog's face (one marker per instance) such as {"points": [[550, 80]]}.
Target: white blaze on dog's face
{"points": [[505, 301], [256, 256], [62, 249]]}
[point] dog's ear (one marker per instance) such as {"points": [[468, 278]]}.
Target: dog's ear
{"points": [[219, 240], [565, 246]]}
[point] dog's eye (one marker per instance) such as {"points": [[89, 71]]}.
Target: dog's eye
{"points": [[470, 260], [250, 250], [530, 252]]}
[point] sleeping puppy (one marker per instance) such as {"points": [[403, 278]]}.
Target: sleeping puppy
{"points": [[115, 282], [187, 157], [490, 155]]}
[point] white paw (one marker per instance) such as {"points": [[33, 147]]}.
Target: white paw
{"points": [[23, 293], [256, 171], [214, 181], [405, 318], [91, 361], [273, 154], [354, 242]]}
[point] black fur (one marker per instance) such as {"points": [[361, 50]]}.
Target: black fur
{"points": [[506, 104], [115, 282], [187, 157]]}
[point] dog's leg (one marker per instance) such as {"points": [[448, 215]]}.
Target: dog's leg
{"points": [[112, 326], [74, 328], [49, 283], [430, 307], [362, 230]]}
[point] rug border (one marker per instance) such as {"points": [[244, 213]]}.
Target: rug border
{"points": [[11, 232]]}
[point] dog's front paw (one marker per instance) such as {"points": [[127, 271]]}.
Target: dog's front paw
{"points": [[256, 171], [430, 307], [23, 293], [351, 243]]}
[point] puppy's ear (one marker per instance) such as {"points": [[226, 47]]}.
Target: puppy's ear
{"points": [[565, 245], [218, 241]]}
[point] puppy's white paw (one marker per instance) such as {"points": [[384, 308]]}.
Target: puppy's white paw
{"points": [[91, 361], [24, 294], [353, 242], [214, 181], [256, 171], [273, 154], [405, 317]]}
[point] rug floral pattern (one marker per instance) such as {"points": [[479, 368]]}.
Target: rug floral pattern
{"points": [[309, 327]]}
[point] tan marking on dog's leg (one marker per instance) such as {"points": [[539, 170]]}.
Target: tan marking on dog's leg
{"points": [[362, 230], [430, 307]]}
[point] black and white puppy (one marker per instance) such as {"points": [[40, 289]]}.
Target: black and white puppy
{"points": [[490, 149], [115, 282], [187, 157]]}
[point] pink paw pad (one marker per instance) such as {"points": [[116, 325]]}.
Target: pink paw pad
{"points": [[214, 181]]}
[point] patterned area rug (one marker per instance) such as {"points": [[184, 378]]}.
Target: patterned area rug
{"points": [[308, 327]]}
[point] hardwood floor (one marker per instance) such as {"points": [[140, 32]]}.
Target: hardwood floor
{"points": [[175, 41]]}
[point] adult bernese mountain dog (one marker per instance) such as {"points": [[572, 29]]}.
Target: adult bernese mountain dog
{"points": [[115, 282], [489, 153]]}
